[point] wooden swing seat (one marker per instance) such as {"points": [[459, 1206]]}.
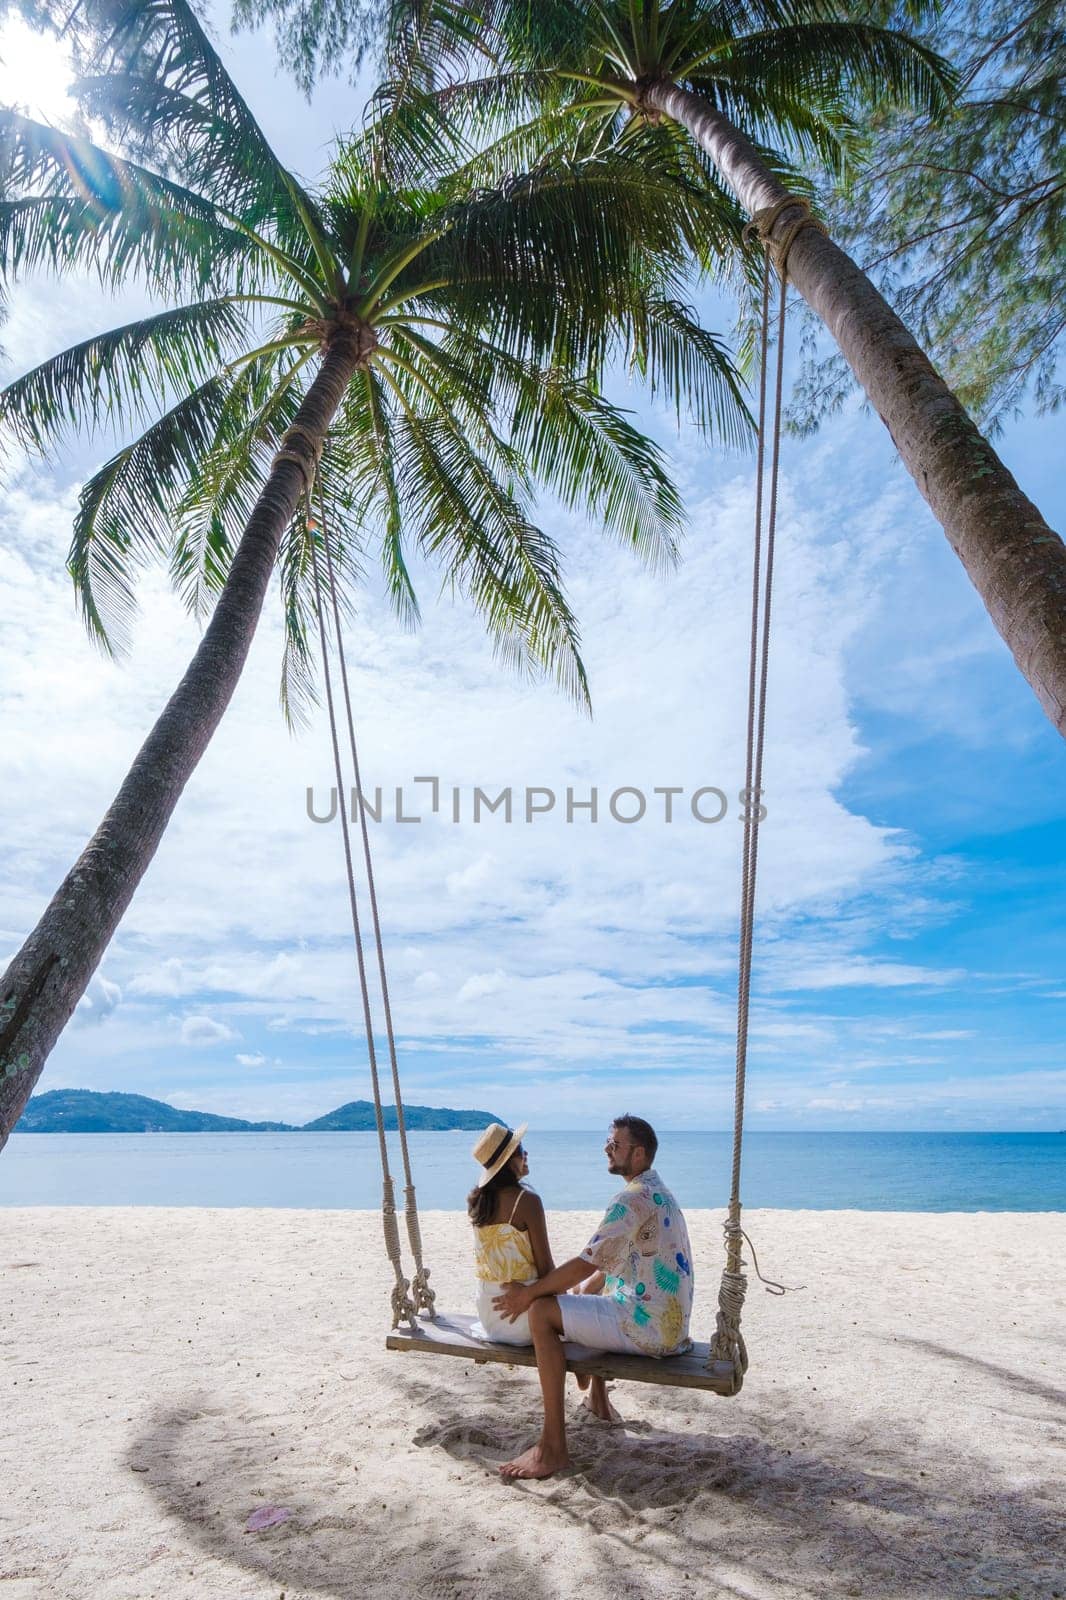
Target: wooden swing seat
{"points": [[451, 1335]]}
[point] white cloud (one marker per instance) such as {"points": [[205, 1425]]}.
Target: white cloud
{"points": [[198, 1031], [860, 971], [166, 979], [99, 1001], [482, 984], [254, 1060]]}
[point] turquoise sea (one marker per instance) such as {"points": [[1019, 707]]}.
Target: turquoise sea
{"points": [[819, 1171]]}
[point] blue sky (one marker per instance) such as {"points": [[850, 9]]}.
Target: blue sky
{"points": [[910, 963]]}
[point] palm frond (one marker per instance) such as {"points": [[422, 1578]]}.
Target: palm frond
{"points": [[673, 352], [424, 42], [126, 511], [118, 378], [368, 425], [335, 535], [98, 212], [547, 261], [842, 62], [430, 377], [489, 549], [161, 86], [432, 129], [218, 501], [571, 440], [592, 456], [298, 689]]}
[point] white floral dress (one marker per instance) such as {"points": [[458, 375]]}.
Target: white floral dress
{"points": [[502, 1254]]}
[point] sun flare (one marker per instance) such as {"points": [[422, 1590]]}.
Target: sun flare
{"points": [[35, 73]]}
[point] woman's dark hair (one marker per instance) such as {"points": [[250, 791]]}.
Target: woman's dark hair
{"points": [[640, 1132], [481, 1203]]}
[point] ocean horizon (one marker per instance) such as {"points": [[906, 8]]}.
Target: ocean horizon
{"points": [[833, 1170]]}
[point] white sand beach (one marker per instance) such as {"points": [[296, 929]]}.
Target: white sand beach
{"points": [[167, 1372]]}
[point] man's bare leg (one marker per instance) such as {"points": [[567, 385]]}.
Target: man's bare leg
{"points": [[597, 1402], [596, 1398], [549, 1454]]}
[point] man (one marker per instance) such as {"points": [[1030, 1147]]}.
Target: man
{"points": [[641, 1247]]}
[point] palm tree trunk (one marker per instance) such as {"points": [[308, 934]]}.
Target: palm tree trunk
{"points": [[1016, 562], [51, 972]]}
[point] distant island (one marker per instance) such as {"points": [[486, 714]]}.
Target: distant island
{"points": [[88, 1111]]}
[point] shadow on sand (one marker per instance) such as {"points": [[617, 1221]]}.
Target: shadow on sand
{"points": [[704, 1512], [345, 1540], [1021, 1382], [752, 1516]]}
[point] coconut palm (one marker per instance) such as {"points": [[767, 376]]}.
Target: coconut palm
{"points": [[753, 85], [423, 356]]}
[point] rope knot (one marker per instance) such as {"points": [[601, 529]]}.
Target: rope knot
{"points": [[306, 457], [403, 1307], [425, 1298], [765, 220]]}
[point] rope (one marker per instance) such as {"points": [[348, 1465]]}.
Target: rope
{"points": [[768, 1283], [403, 1307], [309, 468], [424, 1296], [763, 222], [727, 1343]]}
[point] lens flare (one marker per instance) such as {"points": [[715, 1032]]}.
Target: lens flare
{"points": [[35, 73]]}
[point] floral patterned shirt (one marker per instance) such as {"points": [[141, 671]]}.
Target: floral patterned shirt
{"points": [[642, 1248]]}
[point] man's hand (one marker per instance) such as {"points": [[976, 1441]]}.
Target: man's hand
{"points": [[518, 1297], [515, 1299]]}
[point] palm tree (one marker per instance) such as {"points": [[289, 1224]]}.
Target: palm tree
{"points": [[424, 356], [737, 78]]}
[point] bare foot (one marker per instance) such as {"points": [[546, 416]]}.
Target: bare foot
{"points": [[535, 1463], [597, 1402]]}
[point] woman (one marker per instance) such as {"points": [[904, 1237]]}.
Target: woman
{"points": [[510, 1234]]}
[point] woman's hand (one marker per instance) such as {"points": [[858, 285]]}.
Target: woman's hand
{"points": [[515, 1299]]}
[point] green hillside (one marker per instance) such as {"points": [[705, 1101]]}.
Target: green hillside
{"points": [[359, 1114], [88, 1111]]}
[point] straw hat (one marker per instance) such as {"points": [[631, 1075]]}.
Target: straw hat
{"points": [[495, 1148]]}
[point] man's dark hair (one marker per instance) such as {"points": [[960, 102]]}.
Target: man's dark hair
{"points": [[640, 1132]]}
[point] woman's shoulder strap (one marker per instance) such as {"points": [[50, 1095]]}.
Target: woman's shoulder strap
{"points": [[518, 1202]]}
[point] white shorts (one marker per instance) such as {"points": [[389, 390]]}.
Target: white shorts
{"points": [[596, 1321]]}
